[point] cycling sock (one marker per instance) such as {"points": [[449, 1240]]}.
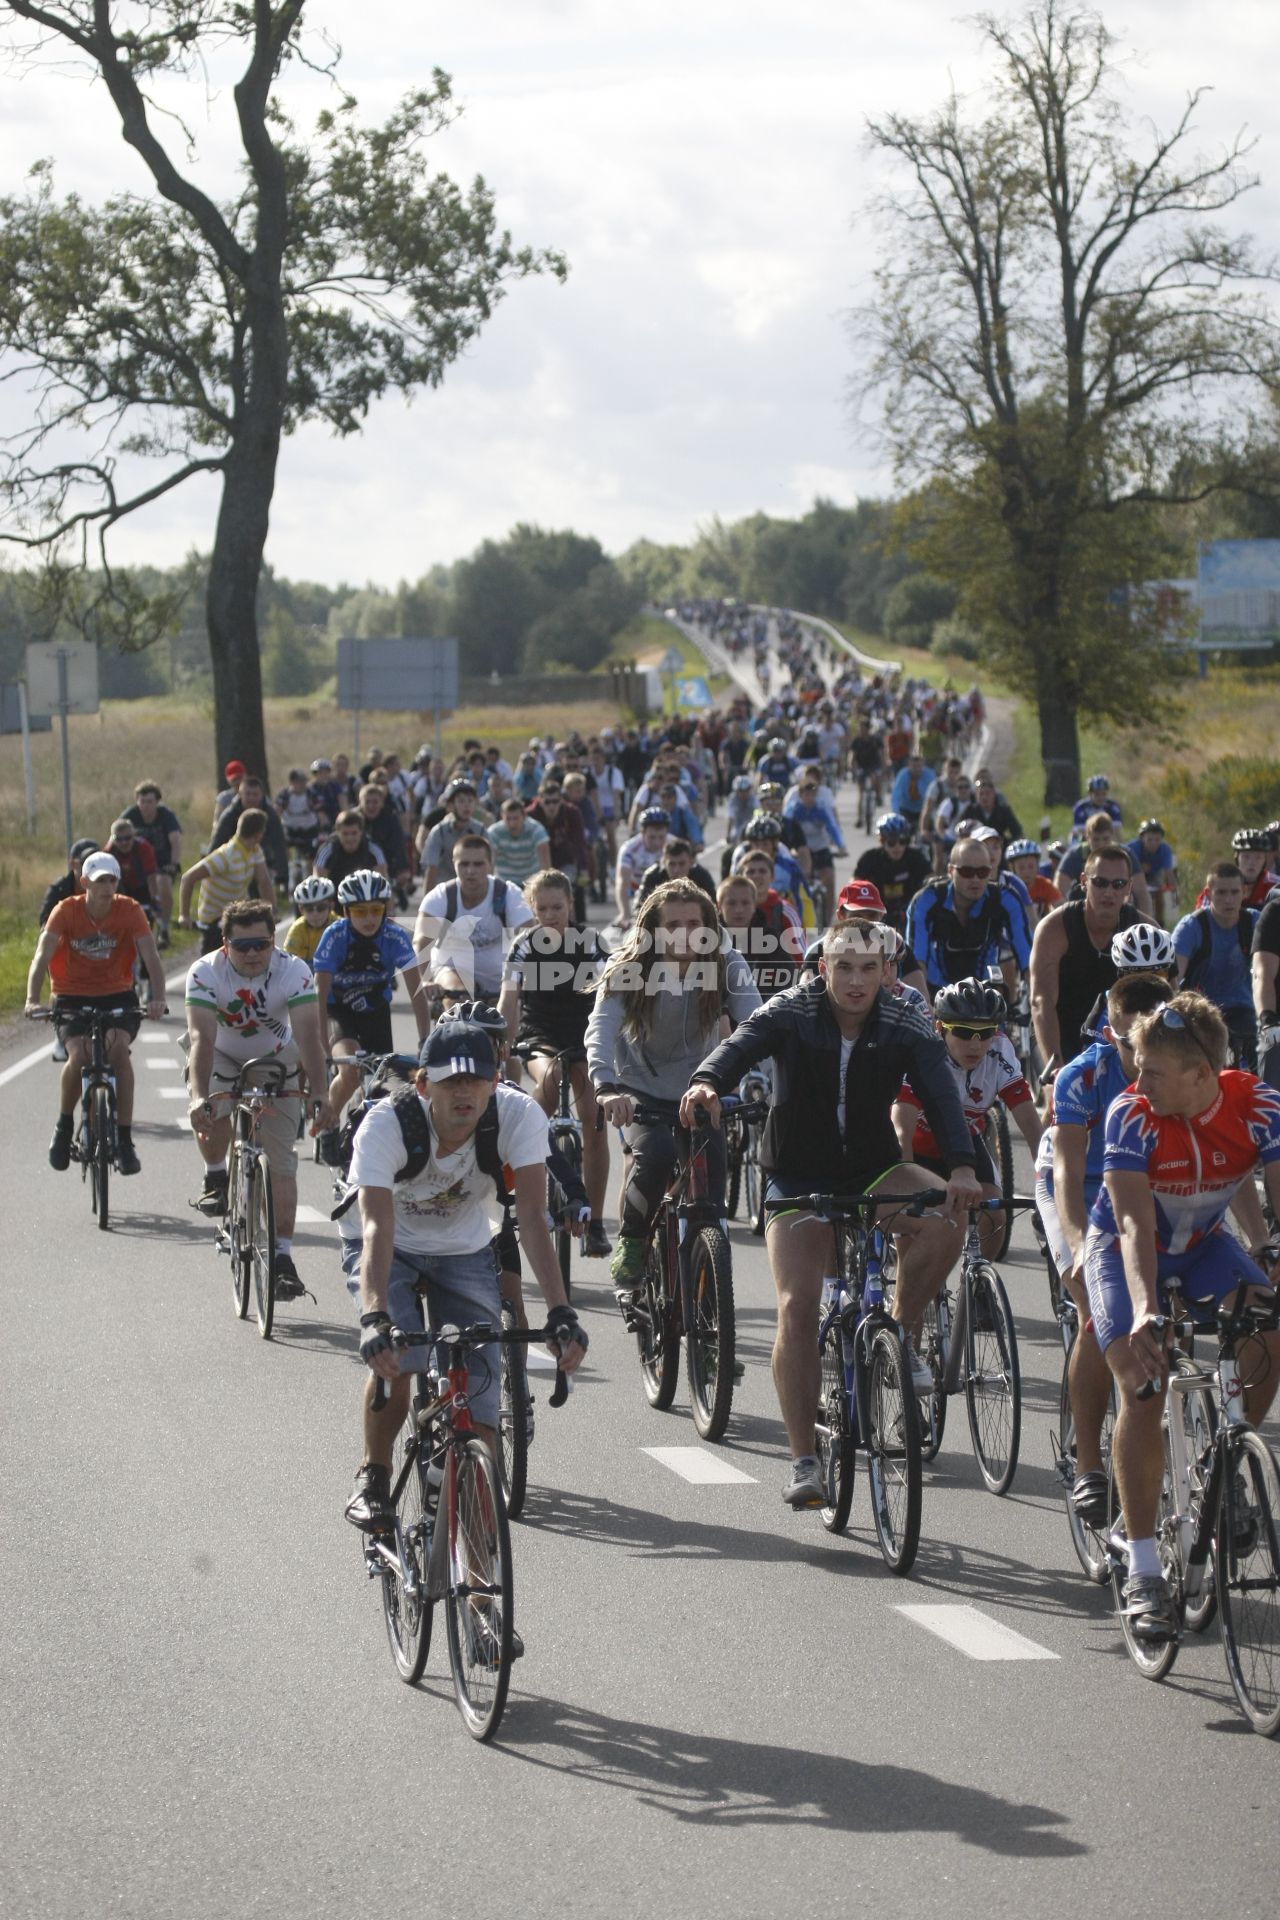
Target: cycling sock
{"points": [[65, 1122], [284, 1243], [1144, 1561]]}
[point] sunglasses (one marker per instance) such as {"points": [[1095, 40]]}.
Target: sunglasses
{"points": [[1107, 886], [967, 1033], [1125, 1041], [972, 873], [249, 946], [1170, 1017], [808, 789]]}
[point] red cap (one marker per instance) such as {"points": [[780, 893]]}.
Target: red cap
{"points": [[234, 770], [859, 896]]}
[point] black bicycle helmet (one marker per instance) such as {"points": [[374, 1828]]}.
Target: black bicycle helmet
{"points": [[1251, 840], [655, 817], [479, 1014], [1151, 826], [763, 826], [970, 1003]]}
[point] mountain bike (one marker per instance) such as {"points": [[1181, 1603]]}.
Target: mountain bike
{"points": [[867, 1399], [1220, 1505], [687, 1289], [248, 1229], [441, 1466], [742, 1122]]}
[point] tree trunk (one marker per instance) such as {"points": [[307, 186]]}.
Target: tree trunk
{"points": [[231, 604], [1059, 749]]}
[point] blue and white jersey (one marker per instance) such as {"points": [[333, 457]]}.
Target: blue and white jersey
{"points": [[364, 970]]}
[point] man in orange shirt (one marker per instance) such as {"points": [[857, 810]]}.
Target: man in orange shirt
{"points": [[88, 947]]}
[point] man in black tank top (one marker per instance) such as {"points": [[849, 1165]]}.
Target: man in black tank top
{"points": [[1071, 960]]}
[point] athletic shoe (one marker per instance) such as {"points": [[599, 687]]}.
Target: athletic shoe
{"points": [[627, 1266], [484, 1641], [60, 1145], [596, 1244], [212, 1198], [1148, 1607], [369, 1507], [287, 1285], [804, 1488], [127, 1160], [922, 1379], [1089, 1498]]}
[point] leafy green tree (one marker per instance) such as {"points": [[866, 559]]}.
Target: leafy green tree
{"points": [[914, 608], [495, 602], [173, 328], [1065, 338]]}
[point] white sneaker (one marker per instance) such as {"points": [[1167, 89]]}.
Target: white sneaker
{"points": [[922, 1379]]}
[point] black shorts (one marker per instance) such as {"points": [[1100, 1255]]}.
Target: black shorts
{"points": [[983, 1165], [369, 1027], [71, 1011]]}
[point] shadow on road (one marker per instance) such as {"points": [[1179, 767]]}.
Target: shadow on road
{"points": [[163, 1226], [716, 1782]]}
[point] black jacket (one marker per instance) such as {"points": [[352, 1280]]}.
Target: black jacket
{"points": [[798, 1032]]}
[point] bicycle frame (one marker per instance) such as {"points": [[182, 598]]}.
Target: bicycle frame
{"points": [[858, 1305], [97, 1073]]}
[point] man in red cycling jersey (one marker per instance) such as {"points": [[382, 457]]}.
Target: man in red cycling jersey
{"points": [[1178, 1144]]}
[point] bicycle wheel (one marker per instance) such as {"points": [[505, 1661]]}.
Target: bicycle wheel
{"points": [[993, 1384], [1247, 1554], [1152, 1661], [893, 1452], [656, 1336], [513, 1429], [837, 1456], [478, 1605], [235, 1230], [753, 1182], [260, 1252], [710, 1337], [1198, 1413], [407, 1611], [733, 1151], [932, 1407], [1001, 1149], [1089, 1542], [100, 1151]]}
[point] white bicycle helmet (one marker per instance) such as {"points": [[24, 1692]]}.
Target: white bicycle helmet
{"points": [[315, 891], [365, 884], [1018, 849], [1142, 949]]}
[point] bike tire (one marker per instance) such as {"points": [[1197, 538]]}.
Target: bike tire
{"points": [[513, 1433], [710, 1339], [733, 1156], [240, 1274], [931, 1408], [993, 1380], [657, 1338], [893, 1452], [837, 1455], [1247, 1568], [408, 1617], [260, 1253], [1001, 1150], [1089, 1542], [478, 1604], [1152, 1662], [100, 1148], [753, 1183], [1200, 1418]]}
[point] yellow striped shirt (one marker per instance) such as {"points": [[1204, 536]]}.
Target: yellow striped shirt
{"points": [[228, 870]]}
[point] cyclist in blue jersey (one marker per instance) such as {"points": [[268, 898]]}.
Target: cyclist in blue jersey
{"points": [[764, 832], [962, 924], [1096, 799], [818, 823], [356, 965]]}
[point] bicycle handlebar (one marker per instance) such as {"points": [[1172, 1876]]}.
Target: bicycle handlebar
{"points": [[481, 1334]]}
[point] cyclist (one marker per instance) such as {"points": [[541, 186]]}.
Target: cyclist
{"points": [[985, 1068], [70, 882], [677, 863], [464, 925], [636, 856], [316, 913], [139, 878], [1177, 1146], [1213, 947], [226, 873], [1154, 859], [356, 965], [742, 804], [88, 947], [1071, 961], [911, 789], [775, 764], [251, 793], [424, 1212], [1254, 852], [1266, 966], [764, 834], [964, 922], [841, 1047], [668, 994], [161, 828], [299, 815], [895, 869], [348, 849], [866, 751], [775, 943], [1144, 948], [547, 986], [1100, 835], [244, 1001], [1022, 860], [817, 822], [381, 824], [1068, 1181], [567, 837], [1096, 799], [991, 809], [436, 844]]}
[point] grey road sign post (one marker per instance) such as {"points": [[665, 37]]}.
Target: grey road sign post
{"points": [[14, 718], [62, 678], [392, 676]]}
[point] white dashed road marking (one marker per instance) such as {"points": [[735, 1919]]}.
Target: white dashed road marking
{"points": [[172, 1093], [697, 1465], [153, 1039], [158, 1065], [976, 1634]]}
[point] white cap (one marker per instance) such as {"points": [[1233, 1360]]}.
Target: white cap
{"points": [[100, 866]]}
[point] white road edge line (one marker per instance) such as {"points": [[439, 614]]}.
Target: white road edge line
{"points": [[700, 1467], [975, 1633], [27, 1060]]}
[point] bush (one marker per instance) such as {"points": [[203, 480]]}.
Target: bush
{"points": [[958, 638], [914, 608], [1232, 792]]}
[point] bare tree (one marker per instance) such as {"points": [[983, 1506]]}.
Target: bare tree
{"points": [[169, 327], [1064, 338]]}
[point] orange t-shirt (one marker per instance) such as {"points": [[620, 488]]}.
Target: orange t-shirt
{"points": [[1044, 894], [95, 956]]}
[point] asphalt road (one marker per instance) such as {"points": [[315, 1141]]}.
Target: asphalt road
{"points": [[721, 1709]]}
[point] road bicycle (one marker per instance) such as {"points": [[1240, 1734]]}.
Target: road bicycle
{"points": [[1218, 1519], [441, 1466], [248, 1229], [744, 1179], [970, 1346], [867, 1399], [1090, 1542], [95, 1144], [687, 1288]]}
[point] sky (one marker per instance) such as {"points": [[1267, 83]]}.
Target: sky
{"points": [[704, 168]]}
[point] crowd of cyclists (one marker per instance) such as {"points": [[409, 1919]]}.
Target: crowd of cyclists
{"points": [[1124, 1015]]}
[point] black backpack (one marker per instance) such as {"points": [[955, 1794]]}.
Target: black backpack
{"points": [[416, 1133], [500, 891], [1204, 947]]}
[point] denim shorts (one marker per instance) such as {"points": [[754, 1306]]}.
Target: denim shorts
{"points": [[460, 1288], [1208, 1272]]}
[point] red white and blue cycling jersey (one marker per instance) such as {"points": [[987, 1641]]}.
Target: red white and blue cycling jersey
{"points": [[997, 1076], [1194, 1165]]}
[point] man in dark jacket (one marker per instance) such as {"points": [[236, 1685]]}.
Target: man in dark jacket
{"points": [[841, 1047], [70, 882]]}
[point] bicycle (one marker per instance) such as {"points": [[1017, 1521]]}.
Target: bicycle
{"points": [[440, 1464], [1219, 1501], [866, 1399], [248, 1233], [687, 1292], [1090, 1542], [95, 1144], [975, 1351], [998, 1141], [744, 1181], [566, 1139]]}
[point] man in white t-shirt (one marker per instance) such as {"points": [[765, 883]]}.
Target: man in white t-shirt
{"points": [[425, 1202], [247, 1000], [467, 924]]}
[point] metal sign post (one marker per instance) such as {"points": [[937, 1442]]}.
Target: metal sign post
{"points": [[28, 772], [64, 707]]}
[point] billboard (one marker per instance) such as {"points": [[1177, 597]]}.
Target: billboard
{"points": [[1239, 593]]}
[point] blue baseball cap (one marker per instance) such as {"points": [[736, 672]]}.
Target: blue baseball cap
{"points": [[455, 1047]]}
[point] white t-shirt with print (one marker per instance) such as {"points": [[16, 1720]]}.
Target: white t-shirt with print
{"points": [[447, 1208], [254, 1012], [475, 944]]}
